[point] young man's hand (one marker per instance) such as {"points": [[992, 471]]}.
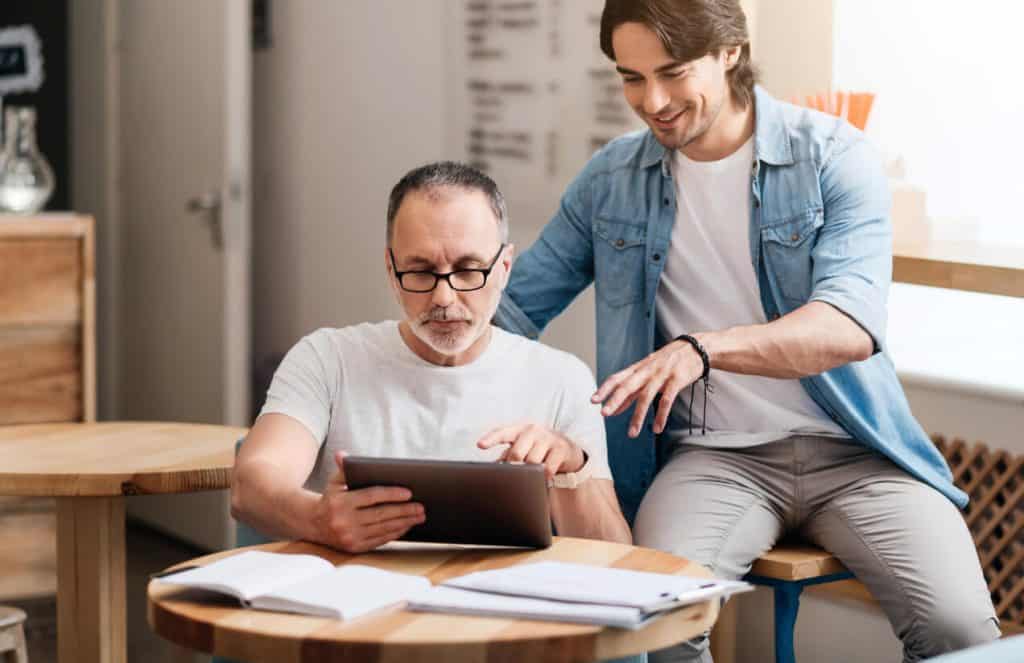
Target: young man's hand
{"points": [[360, 520], [666, 372], [538, 445]]}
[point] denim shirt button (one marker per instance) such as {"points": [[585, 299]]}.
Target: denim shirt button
{"points": [[620, 243], [795, 236], [656, 257], [665, 200]]}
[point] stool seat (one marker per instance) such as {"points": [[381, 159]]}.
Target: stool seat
{"points": [[796, 561], [11, 616]]}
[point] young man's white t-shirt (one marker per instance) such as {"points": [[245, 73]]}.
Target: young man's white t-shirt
{"points": [[361, 390], [709, 284]]}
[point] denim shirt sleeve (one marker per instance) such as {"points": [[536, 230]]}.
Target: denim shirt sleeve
{"points": [[555, 269], [853, 255]]}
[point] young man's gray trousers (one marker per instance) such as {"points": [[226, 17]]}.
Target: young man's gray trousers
{"points": [[900, 537]]}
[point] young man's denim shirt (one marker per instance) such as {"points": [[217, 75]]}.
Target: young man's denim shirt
{"points": [[819, 231]]}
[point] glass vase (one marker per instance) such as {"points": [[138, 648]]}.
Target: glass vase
{"points": [[26, 179]]}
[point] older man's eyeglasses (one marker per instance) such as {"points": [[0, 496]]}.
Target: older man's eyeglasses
{"points": [[463, 280]]}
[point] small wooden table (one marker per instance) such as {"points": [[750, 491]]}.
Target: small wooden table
{"points": [[399, 635], [89, 468], [960, 265]]}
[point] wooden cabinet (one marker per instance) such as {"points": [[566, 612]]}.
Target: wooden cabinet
{"points": [[47, 319], [47, 369]]}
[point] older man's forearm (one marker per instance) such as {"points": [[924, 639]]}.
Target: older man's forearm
{"points": [[590, 511], [260, 500]]}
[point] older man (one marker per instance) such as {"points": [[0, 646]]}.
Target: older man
{"points": [[441, 383]]}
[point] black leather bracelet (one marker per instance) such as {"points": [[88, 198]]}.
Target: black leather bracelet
{"points": [[700, 350], [704, 377]]}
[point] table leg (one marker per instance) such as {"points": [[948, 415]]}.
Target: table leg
{"points": [[91, 580], [723, 635]]}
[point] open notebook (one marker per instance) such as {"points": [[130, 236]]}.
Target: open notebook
{"points": [[304, 584]]}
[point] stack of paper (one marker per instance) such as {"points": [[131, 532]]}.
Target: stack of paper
{"points": [[580, 593]]}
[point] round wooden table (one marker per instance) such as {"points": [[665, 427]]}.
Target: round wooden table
{"points": [[89, 468], [191, 619]]}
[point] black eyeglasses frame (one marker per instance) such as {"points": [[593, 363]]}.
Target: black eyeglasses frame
{"points": [[486, 271]]}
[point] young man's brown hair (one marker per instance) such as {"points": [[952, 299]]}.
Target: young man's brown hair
{"points": [[689, 29]]}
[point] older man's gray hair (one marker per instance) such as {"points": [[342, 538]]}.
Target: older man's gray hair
{"points": [[444, 174]]}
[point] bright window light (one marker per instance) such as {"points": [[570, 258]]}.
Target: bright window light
{"points": [[950, 102]]}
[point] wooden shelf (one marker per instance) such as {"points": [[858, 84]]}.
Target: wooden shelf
{"points": [[961, 265]]}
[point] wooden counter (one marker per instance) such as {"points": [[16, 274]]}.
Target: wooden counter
{"points": [[961, 265]]}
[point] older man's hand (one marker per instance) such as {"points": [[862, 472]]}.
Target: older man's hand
{"points": [[360, 520], [538, 445]]}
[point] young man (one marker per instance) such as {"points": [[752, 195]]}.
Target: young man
{"points": [[442, 383], [744, 244]]}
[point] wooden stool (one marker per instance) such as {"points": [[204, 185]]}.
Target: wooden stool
{"points": [[787, 569], [12, 635]]}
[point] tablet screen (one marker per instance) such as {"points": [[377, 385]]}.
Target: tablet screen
{"points": [[481, 503]]}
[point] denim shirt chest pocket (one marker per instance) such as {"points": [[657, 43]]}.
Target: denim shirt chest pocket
{"points": [[619, 248], [787, 246]]}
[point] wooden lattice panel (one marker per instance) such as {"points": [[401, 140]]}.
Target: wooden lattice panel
{"points": [[994, 480]]}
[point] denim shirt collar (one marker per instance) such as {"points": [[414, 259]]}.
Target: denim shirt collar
{"points": [[771, 130], [771, 137]]}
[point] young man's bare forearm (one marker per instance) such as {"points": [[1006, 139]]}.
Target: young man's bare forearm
{"points": [[812, 339]]}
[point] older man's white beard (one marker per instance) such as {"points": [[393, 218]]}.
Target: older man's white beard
{"points": [[453, 342]]}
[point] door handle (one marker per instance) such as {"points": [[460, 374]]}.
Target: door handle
{"points": [[209, 204]]}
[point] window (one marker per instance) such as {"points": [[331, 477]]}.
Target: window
{"points": [[949, 102]]}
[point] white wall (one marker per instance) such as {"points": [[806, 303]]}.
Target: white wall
{"points": [[347, 99], [944, 104], [791, 41]]}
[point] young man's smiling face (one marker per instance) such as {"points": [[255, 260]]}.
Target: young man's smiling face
{"points": [[682, 102], [442, 230]]}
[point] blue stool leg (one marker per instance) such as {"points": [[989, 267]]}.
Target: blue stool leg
{"points": [[787, 603]]}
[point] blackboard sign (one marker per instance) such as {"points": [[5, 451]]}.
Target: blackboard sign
{"points": [[21, 60], [13, 61]]}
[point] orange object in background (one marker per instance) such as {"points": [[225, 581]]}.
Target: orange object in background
{"points": [[854, 106]]}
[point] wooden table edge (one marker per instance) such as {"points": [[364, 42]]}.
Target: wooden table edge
{"points": [[156, 482], [602, 643]]}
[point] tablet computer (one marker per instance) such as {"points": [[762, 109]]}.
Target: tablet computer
{"points": [[491, 503]]}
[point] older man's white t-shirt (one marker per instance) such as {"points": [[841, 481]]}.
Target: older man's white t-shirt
{"points": [[361, 390]]}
